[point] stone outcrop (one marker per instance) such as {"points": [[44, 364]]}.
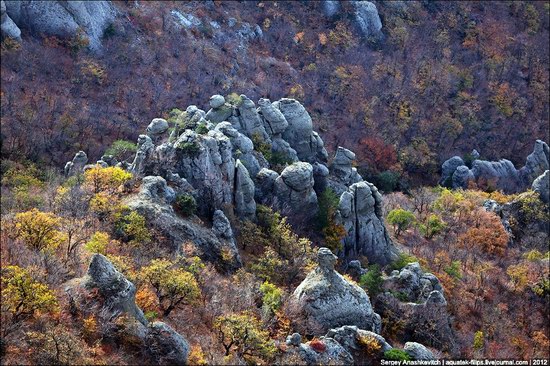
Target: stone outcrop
{"points": [[325, 351], [414, 285], [153, 202], [360, 212], [245, 206], [108, 295], [342, 172], [418, 352], [367, 18], [541, 185], [350, 338], [326, 300], [294, 189], [7, 26], [59, 18], [76, 166], [501, 175]]}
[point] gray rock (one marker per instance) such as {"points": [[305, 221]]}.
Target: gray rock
{"points": [[250, 121], [274, 121], [360, 212], [475, 154], [216, 101], [294, 189], [64, 18], [326, 300], [414, 284], [418, 352], [492, 206], [219, 114], [166, 346], [110, 160], [265, 183], [307, 354], [8, 27], [448, 168], [342, 172], [118, 293], [348, 337], [299, 133], [76, 166], [151, 202], [367, 18], [295, 339], [462, 177], [435, 298], [245, 206], [541, 185], [144, 152], [280, 146], [155, 188], [500, 175], [536, 164], [221, 226], [331, 8], [157, 127]]}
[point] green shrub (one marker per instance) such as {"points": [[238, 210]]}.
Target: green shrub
{"points": [[189, 148], [396, 355], [454, 270], [387, 181], [372, 280], [328, 202], [186, 204], [122, 149], [402, 260], [434, 225], [272, 296], [401, 220], [109, 32], [133, 229], [201, 129]]}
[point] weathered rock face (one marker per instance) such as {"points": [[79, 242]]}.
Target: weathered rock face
{"points": [[118, 292], [298, 353], [7, 26], [348, 336], [360, 212], [119, 315], [157, 128], [416, 300], [541, 185], [415, 285], [342, 172], [245, 206], [299, 134], [249, 119], [76, 166], [367, 18], [501, 175], [294, 189], [143, 154], [153, 203], [331, 7], [166, 346], [537, 163], [61, 18], [418, 352], [327, 300]]}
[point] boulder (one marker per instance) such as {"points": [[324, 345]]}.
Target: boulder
{"points": [[536, 164], [216, 101], [265, 186], [367, 18], [274, 121], [326, 300], [331, 8], [7, 26], [414, 285], [294, 189], [76, 166], [501, 175], [249, 120], [245, 206], [448, 168], [349, 337], [321, 351], [165, 345], [342, 171], [418, 352], [144, 151], [360, 212], [462, 177], [63, 18], [157, 127], [541, 185]]}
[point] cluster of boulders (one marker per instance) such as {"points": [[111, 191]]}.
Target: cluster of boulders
{"points": [[63, 19], [340, 316], [500, 175], [108, 295], [365, 13], [227, 158]]}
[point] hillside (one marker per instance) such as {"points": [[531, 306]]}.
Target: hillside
{"points": [[442, 78], [236, 183]]}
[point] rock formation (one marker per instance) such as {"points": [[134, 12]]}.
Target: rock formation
{"points": [[326, 300], [367, 18], [76, 166], [413, 284], [501, 175], [342, 172], [294, 189], [109, 296], [541, 185], [153, 202], [418, 352], [58, 18], [360, 212]]}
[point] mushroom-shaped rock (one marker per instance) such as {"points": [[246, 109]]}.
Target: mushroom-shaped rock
{"points": [[157, 127], [216, 101], [327, 300], [294, 189], [342, 171], [448, 168], [76, 166], [418, 351]]}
